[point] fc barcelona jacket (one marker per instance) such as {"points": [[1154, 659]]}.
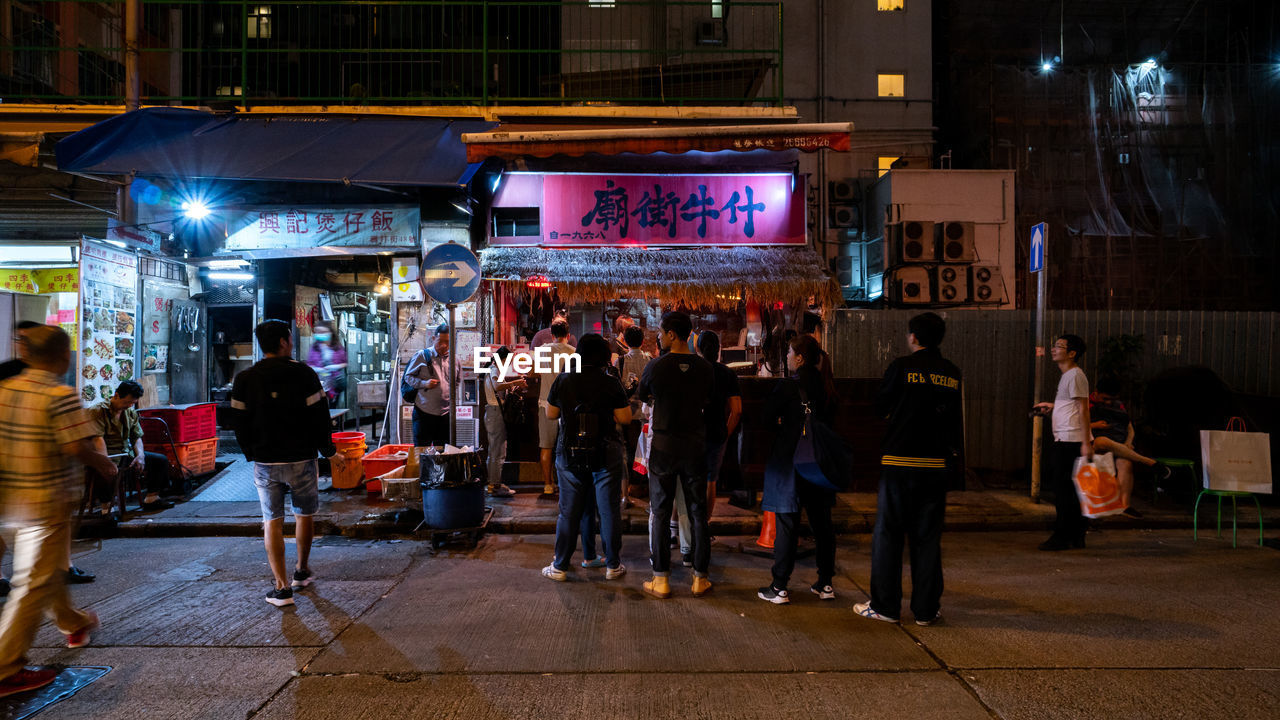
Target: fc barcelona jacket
{"points": [[921, 398]]}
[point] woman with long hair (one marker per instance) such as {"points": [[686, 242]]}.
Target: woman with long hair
{"points": [[786, 493]]}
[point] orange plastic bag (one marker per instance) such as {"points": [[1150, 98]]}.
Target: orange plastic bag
{"points": [[1097, 486]]}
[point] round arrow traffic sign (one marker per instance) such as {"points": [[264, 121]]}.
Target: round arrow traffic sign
{"points": [[450, 273]]}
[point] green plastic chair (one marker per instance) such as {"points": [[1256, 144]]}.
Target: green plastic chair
{"points": [[1195, 529]]}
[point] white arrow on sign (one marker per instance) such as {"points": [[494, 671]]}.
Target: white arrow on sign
{"points": [[461, 270], [1037, 241]]}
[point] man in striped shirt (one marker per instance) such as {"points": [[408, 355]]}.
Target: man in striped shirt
{"points": [[46, 435]]}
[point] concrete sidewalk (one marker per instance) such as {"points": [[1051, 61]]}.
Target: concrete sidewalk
{"points": [[354, 514], [1142, 624]]}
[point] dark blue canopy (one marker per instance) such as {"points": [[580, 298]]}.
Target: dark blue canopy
{"points": [[184, 143]]}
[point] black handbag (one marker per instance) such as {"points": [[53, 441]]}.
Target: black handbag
{"points": [[513, 409], [822, 457]]}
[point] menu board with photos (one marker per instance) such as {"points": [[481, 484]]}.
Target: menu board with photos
{"points": [[108, 320]]}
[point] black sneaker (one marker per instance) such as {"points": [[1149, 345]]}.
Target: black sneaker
{"points": [[686, 559], [823, 590], [280, 597], [1131, 512], [1163, 472], [76, 576], [769, 593], [302, 578]]}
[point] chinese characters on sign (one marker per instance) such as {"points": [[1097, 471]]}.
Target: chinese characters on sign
{"points": [[582, 209], [108, 313], [288, 228]]}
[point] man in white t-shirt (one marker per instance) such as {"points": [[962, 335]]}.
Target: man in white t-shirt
{"points": [[1071, 439]]}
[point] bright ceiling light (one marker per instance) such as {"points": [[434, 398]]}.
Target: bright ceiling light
{"points": [[231, 276], [1150, 63], [1047, 67], [195, 209]]}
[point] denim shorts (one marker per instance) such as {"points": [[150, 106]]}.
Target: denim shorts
{"points": [[274, 479]]}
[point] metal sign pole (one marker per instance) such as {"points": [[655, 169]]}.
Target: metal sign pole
{"points": [[453, 377], [1037, 424]]}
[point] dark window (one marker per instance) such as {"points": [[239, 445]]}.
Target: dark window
{"points": [[516, 222]]}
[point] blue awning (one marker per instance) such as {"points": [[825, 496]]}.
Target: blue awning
{"points": [[185, 143]]}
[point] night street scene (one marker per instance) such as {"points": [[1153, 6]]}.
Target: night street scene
{"points": [[718, 359]]}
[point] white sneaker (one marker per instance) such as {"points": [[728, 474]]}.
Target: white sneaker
{"points": [[926, 623], [864, 609], [551, 571], [615, 573]]}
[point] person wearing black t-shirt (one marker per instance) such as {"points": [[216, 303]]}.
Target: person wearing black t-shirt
{"points": [[722, 415], [678, 385], [590, 459]]}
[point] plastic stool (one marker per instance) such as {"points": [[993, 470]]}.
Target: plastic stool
{"points": [[1221, 494], [1174, 465]]}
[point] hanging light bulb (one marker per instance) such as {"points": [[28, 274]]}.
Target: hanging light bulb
{"points": [[384, 285]]}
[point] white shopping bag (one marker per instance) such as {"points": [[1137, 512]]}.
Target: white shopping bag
{"points": [[1236, 461], [1097, 486], [641, 464]]}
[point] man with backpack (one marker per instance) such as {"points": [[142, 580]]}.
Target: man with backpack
{"points": [[590, 458], [281, 418], [923, 449]]}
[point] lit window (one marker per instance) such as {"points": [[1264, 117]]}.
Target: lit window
{"points": [[885, 164], [886, 5], [891, 84], [258, 24], [600, 3], [229, 91], [717, 9]]}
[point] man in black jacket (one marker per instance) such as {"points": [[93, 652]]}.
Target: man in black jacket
{"points": [[923, 449], [281, 419]]}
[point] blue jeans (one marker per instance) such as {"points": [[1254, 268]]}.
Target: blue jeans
{"points": [[582, 494]]}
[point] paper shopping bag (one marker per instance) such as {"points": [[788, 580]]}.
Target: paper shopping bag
{"points": [[1236, 461], [1097, 486]]}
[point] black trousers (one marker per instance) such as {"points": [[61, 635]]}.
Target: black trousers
{"points": [[155, 478], [684, 463], [910, 508], [430, 429], [1069, 525], [816, 503]]}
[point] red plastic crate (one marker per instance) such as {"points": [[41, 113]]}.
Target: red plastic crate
{"points": [[379, 461], [197, 457], [187, 423]]}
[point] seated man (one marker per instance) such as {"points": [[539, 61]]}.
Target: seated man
{"points": [[119, 427], [1113, 433]]}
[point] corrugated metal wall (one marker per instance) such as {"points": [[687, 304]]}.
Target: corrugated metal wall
{"points": [[994, 351]]}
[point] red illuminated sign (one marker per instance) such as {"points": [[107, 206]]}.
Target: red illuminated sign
{"points": [[538, 282]]}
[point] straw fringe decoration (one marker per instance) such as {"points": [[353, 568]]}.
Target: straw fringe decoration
{"points": [[707, 277]]}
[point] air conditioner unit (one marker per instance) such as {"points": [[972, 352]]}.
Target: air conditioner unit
{"points": [[986, 284], [710, 32], [911, 286], [844, 216], [911, 241], [848, 265], [953, 284], [955, 241], [843, 191]]}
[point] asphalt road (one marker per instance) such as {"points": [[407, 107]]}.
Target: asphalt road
{"points": [[1142, 624]]}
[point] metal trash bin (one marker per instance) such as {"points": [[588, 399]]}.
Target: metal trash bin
{"points": [[452, 489]]}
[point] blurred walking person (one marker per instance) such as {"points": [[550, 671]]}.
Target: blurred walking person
{"points": [[786, 494], [589, 405], [630, 367], [678, 386], [923, 449], [46, 435], [281, 420]]}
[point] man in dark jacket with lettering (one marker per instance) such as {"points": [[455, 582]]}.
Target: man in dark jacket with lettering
{"points": [[923, 452], [281, 419]]}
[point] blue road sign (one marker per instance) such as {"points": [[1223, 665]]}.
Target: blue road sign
{"points": [[1036, 258], [450, 274]]}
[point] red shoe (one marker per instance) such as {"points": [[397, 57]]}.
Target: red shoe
{"points": [[80, 637], [25, 680]]}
